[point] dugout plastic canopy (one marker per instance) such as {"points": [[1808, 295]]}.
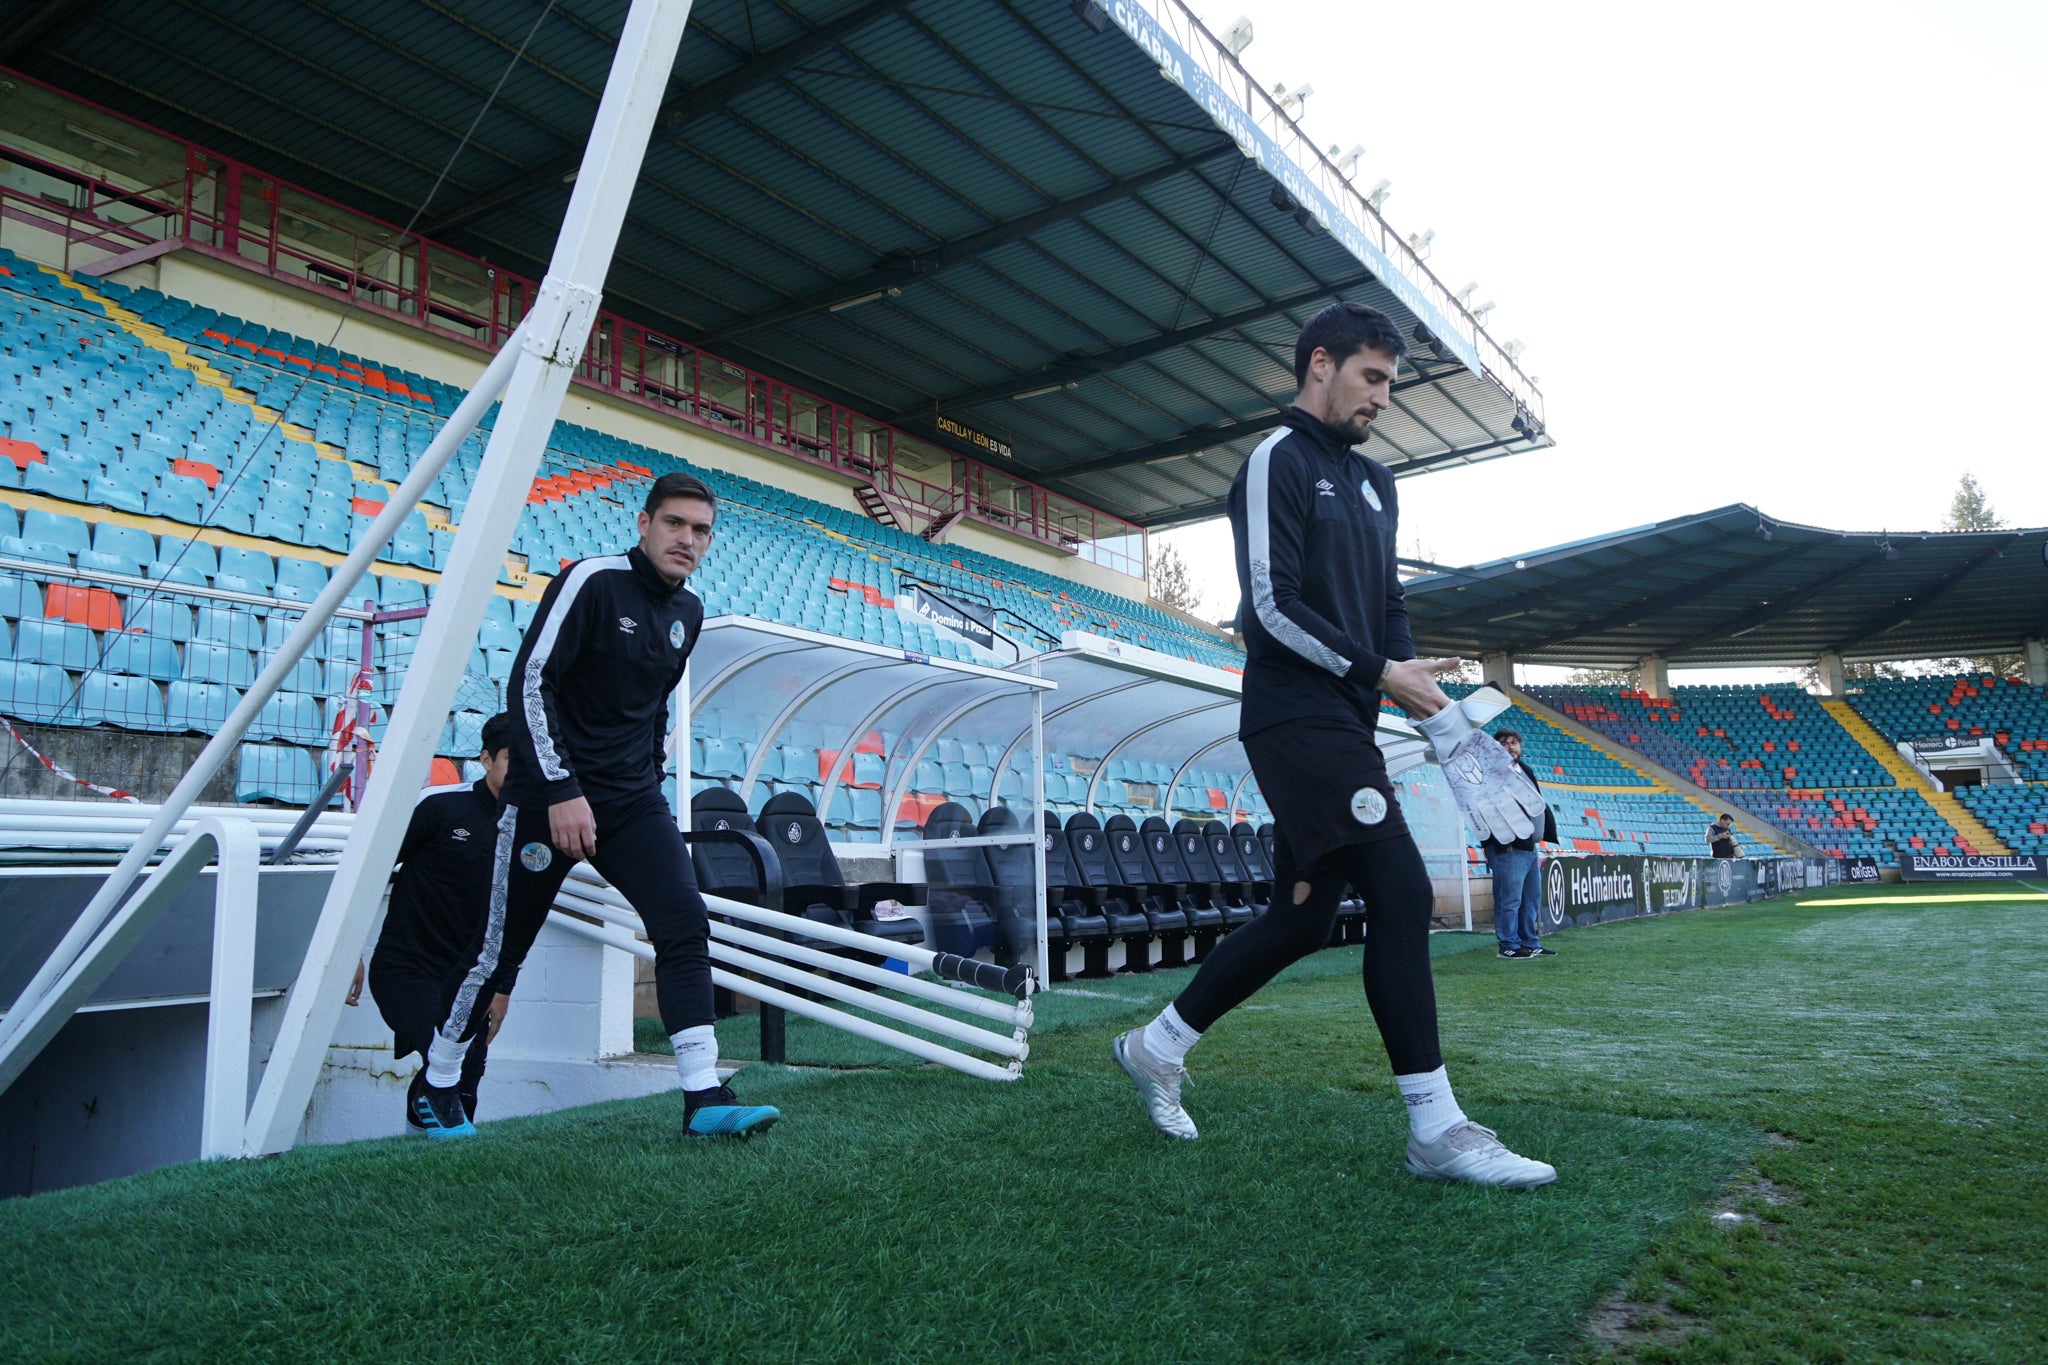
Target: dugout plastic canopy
{"points": [[787, 690]]}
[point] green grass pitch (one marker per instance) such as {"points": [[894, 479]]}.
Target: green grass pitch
{"points": [[1859, 1084]]}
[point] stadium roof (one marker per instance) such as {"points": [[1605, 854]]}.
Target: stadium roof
{"points": [[992, 210], [1734, 586]]}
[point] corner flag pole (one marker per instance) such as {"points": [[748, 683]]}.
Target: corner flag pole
{"points": [[551, 343]]}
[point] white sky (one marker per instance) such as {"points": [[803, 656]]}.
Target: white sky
{"points": [[1788, 254]]}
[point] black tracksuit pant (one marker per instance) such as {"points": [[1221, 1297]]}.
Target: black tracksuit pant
{"points": [[1390, 878], [642, 854]]}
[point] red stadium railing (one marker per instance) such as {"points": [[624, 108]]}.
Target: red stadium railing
{"points": [[112, 189]]}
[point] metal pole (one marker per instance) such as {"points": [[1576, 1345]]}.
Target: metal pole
{"points": [[548, 348], [290, 843], [1037, 822], [223, 744], [1465, 872], [225, 1113]]}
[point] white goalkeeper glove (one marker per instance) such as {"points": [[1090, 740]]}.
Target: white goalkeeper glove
{"points": [[1497, 798]]}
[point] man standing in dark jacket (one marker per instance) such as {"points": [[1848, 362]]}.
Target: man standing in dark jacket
{"points": [[1326, 633], [588, 698], [1517, 874]]}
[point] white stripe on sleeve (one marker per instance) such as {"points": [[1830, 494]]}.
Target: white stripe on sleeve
{"points": [[1257, 510], [550, 627]]}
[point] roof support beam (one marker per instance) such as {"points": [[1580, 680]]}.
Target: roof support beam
{"points": [[1761, 614], [1624, 617], [1202, 438], [895, 273], [1076, 368], [1180, 516], [676, 111], [1903, 609]]}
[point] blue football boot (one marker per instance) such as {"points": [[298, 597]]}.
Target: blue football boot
{"points": [[718, 1113]]}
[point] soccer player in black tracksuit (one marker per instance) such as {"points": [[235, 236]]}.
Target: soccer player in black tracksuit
{"points": [[588, 698], [1326, 632], [438, 903]]}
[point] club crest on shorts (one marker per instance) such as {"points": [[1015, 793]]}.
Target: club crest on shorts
{"points": [[1372, 499], [536, 857], [675, 634], [1368, 806]]}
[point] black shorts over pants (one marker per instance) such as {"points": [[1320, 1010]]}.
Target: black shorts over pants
{"points": [[1336, 824], [642, 854]]}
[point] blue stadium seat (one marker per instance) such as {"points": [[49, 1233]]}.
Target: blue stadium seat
{"points": [[40, 478], [36, 692], [253, 565], [115, 699], [57, 528], [300, 580], [197, 553], [120, 494], [63, 644], [229, 625], [289, 716], [178, 499], [20, 598], [132, 541], [207, 662], [304, 676], [17, 548], [142, 654], [201, 706], [268, 772]]}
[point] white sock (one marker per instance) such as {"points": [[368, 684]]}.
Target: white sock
{"points": [[444, 1062], [1432, 1109], [697, 1057], [1169, 1037]]}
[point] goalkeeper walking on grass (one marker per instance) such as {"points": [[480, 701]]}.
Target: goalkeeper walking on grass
{"points": [[1326, 634]]}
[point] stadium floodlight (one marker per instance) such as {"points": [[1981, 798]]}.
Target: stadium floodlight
{"points": [[1885, 548], [1418, 242], [1347, 164], [1379, 194], [1763, 531], [1042, 390], [1464, 296], [1091, 13], [1293, 102], [1514, 349], [1479, 313], [1238, 36]]}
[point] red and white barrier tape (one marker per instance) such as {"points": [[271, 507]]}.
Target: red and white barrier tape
{"points": [[66, 774]]}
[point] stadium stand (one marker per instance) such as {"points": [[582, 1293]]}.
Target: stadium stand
{"points": [[2013, 715], [127, 401], [1822, 771], [1602, 804], [2016, 812]]}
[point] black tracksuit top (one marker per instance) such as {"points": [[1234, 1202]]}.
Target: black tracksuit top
{"points": [[444, 879], [1322, 608], [590, 685]]}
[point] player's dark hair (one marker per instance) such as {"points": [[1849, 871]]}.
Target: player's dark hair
{"points": [[1505, 735], [497, 732], [678, 486], [1345, 329]]}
